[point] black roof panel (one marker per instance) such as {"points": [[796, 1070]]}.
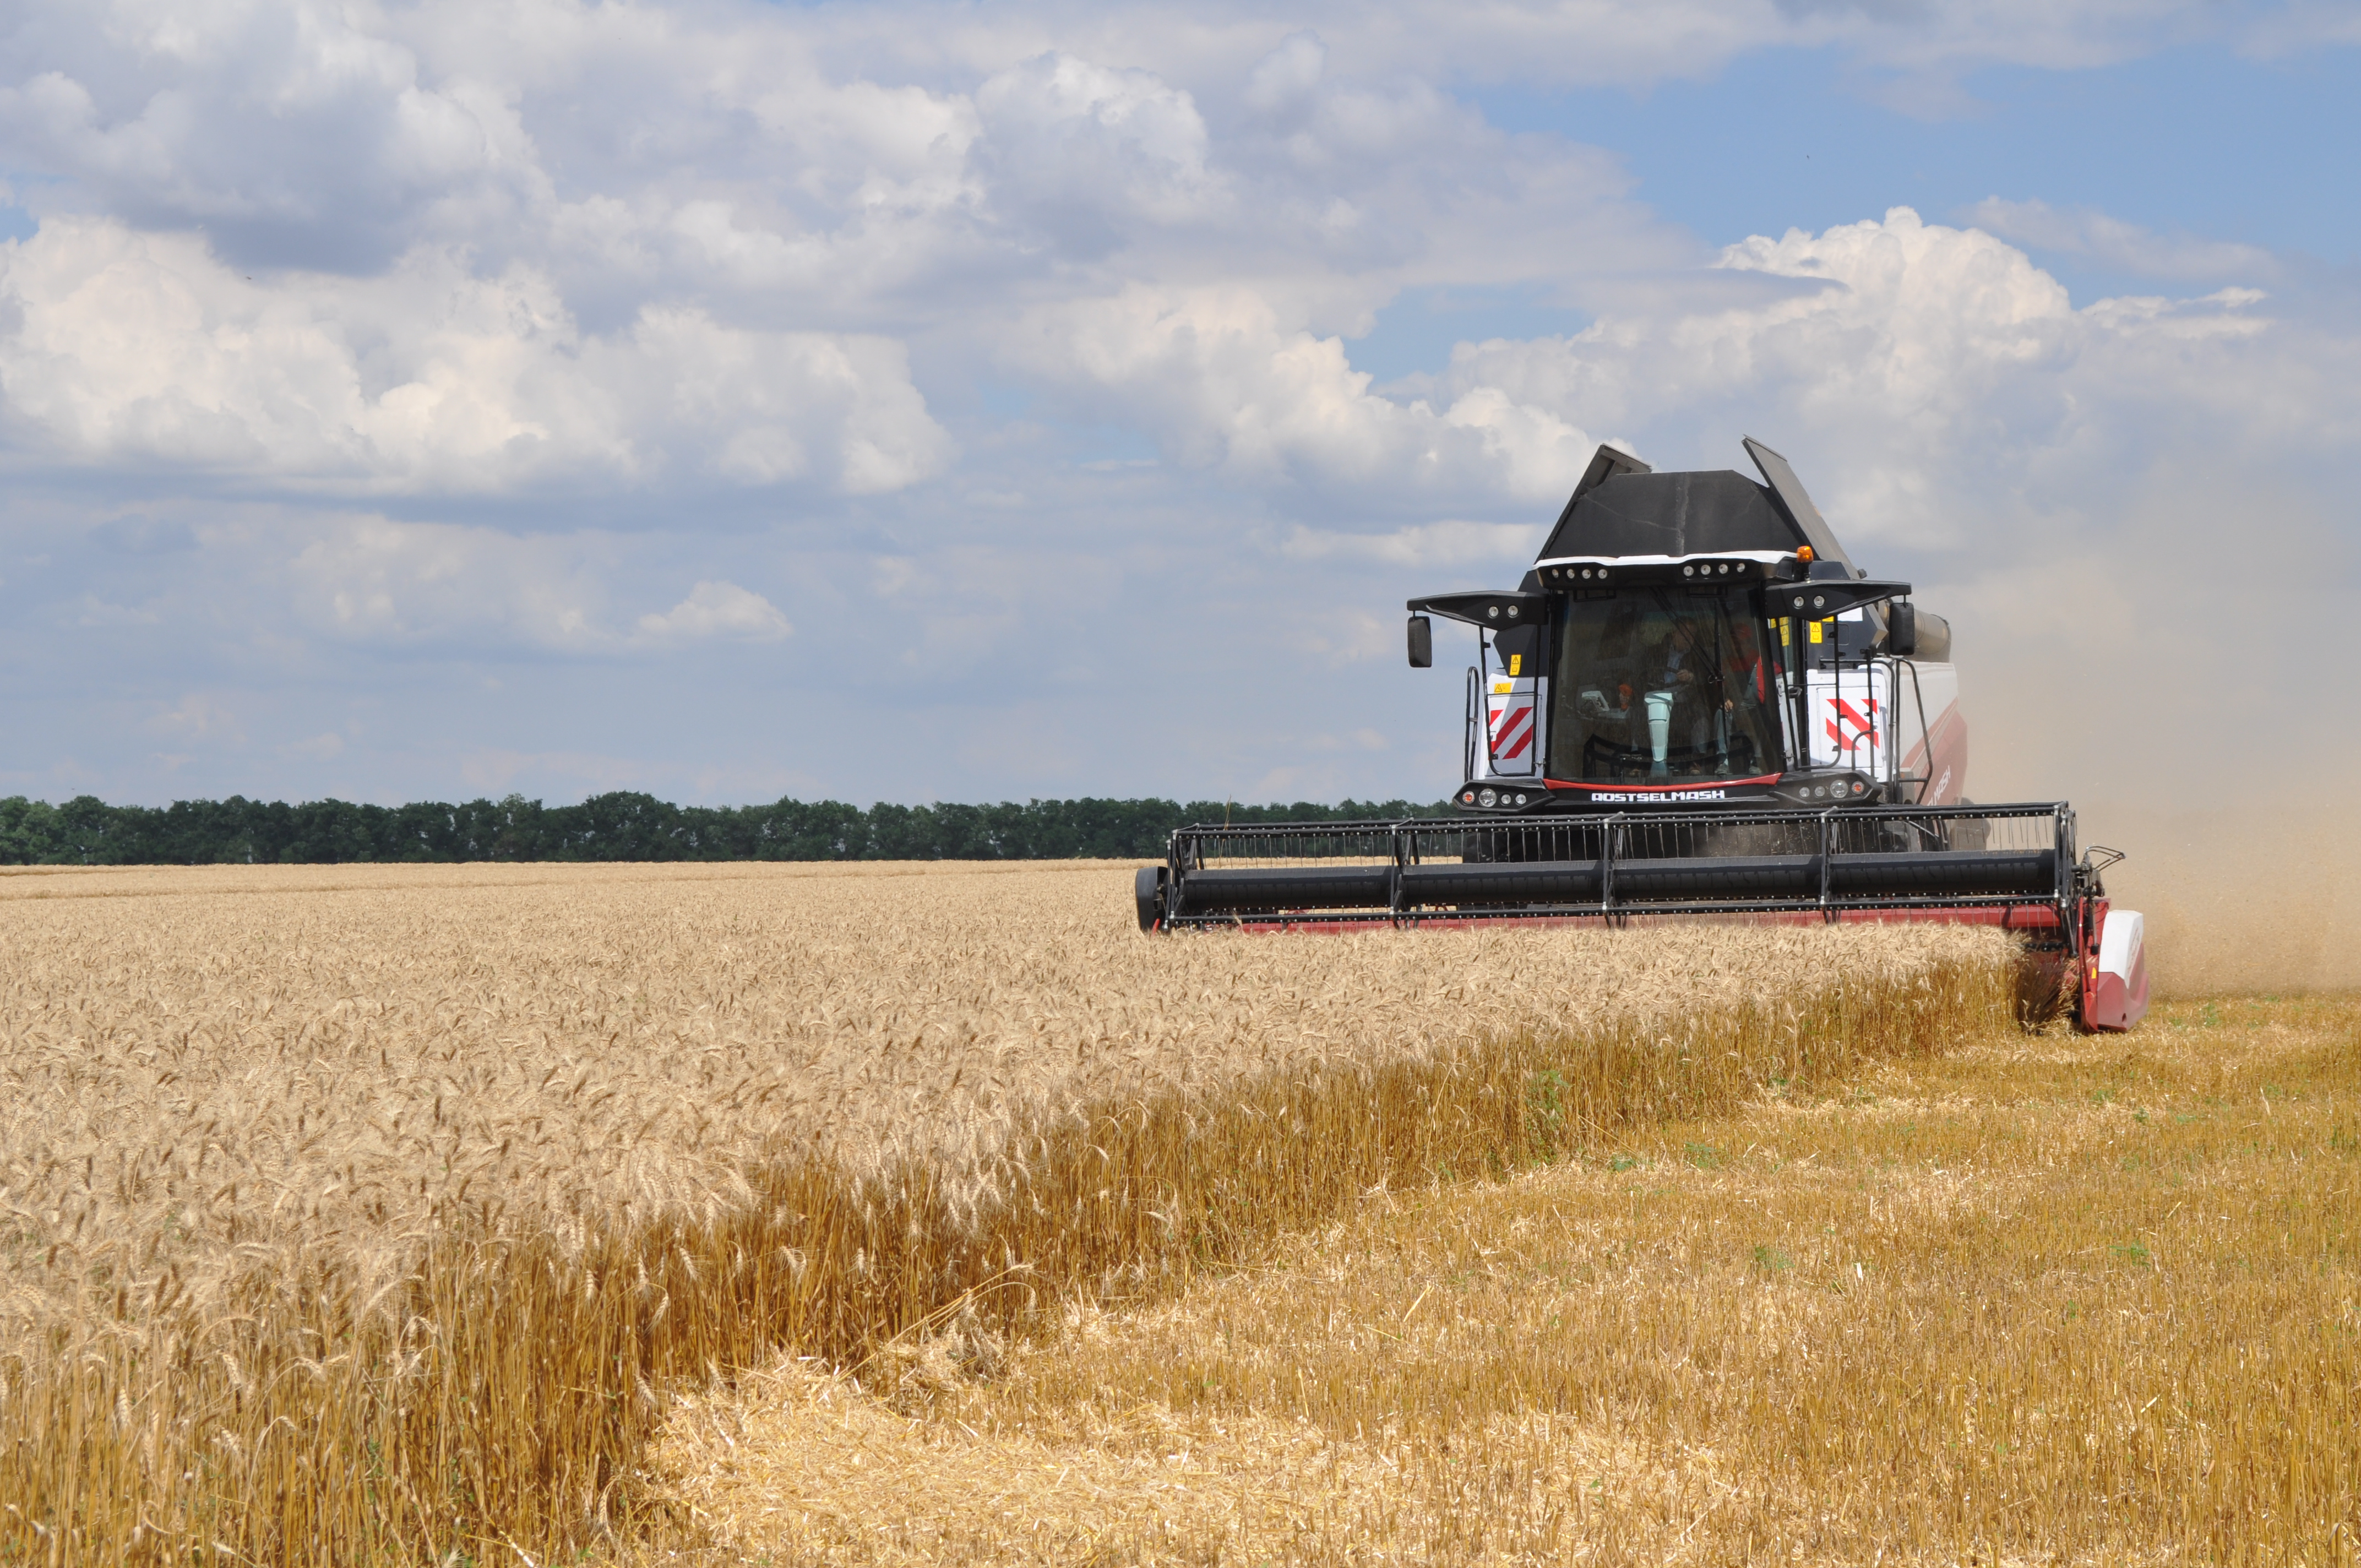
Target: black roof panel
{"points": [[1673, 514], [1621, 508]]}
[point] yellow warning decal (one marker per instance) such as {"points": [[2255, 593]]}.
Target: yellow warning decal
{"points": [[1502, 688], [1515, 659], [1816, 631], [1784, 625]]}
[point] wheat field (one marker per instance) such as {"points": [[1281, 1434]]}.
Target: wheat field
{"points": [[381, 1215]]}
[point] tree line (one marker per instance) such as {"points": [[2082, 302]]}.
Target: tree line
{"points": [[619, 826]]}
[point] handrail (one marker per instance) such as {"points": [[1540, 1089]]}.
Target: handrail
{"points": [[1474, 720]]}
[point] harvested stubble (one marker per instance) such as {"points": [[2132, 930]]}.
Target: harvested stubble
{"points": [[2049, 1301], [366, 1213]]}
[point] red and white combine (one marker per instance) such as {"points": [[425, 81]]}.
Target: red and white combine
{"points": [[1693, 705]]}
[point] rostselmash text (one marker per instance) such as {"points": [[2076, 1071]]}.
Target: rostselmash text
{"points": [[1611, 796]]}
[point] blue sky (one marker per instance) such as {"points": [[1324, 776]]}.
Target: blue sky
{"points": [[2191, 140], [963, 403]]}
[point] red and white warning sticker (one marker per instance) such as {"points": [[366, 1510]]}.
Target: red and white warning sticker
{"points": [[1512, 727]]}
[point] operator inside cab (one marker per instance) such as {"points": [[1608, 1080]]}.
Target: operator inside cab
{"points": [[1663, 686]]}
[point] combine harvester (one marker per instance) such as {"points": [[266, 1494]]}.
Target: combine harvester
{"points": [[1694, 706]]}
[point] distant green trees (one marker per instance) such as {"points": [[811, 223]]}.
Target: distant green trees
{"points": [[623, 826]]}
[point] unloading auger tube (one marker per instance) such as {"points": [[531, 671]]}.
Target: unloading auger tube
{"points": [[1693, 705]]}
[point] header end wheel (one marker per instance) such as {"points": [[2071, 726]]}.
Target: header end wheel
{"points": [[1147, 889]]}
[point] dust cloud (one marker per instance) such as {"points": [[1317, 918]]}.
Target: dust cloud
{"points": [[2178, 663], [2259, 899]]}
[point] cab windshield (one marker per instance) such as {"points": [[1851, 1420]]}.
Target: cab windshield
{"points": [[1662, 683]]}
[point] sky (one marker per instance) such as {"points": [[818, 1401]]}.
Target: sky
{"points": [[973, 402]]}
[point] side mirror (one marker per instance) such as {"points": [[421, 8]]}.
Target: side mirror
{"points": [[1900, 628], [1422, 642]]}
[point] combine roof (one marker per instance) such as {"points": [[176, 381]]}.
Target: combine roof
{"points": [[1622, 508]]}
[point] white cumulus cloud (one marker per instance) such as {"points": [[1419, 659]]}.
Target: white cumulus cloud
{"points": [[1929, 363], [1066, 137], [120, 346], [718, 609], [1227, 382]]}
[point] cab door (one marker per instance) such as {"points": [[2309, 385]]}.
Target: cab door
{"points": [[1512, 715]]}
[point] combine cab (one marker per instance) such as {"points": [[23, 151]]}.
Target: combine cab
{"points": [[1693, 705]]}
